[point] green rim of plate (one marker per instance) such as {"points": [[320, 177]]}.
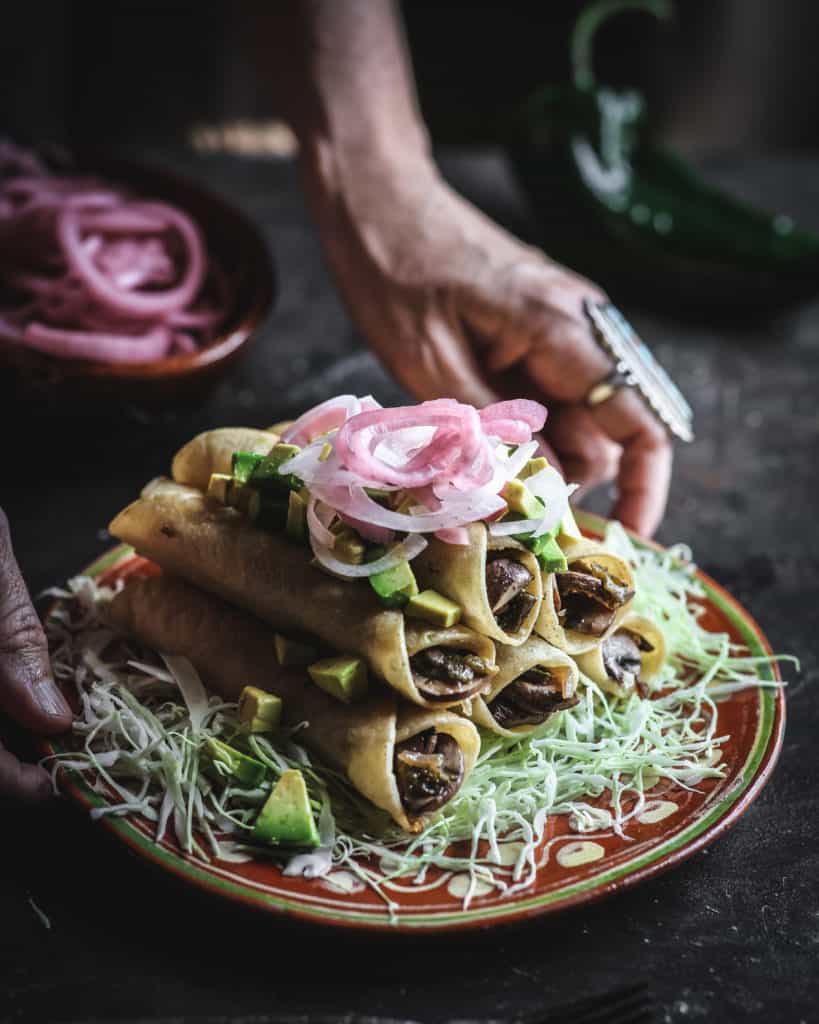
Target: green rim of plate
{"points": [[767, 743]]}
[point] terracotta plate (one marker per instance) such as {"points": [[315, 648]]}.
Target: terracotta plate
{"points": [[675, 823]]}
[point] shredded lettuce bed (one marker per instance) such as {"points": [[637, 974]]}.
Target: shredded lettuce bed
{"points": [[144, 718]]}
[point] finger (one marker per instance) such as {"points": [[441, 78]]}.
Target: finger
{"points": [[589, 457], [27, 690], [645, 466], [28, 783]]}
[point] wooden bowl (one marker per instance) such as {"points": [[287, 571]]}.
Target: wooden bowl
{"points": [[231, 239]]}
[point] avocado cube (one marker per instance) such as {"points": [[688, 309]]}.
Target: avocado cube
{"points": [[286, 819], [404, 502], [433, 607], [259, 711], [550, 556], [296, 524], [268, 511], [218, 487], [533, 466], [379, 494], [325, 452], [243, 465], [266, 475], [394, 586], [343, 677], [349, 547], [521, 500], [291, 653], [229, 491], [241, 767], [569, 527]]}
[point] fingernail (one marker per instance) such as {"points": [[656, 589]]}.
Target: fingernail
{"points": [[50, 699]]}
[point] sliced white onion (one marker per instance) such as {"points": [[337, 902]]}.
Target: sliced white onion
{"points": [[457, 510], [316, 525], [403, 552]]}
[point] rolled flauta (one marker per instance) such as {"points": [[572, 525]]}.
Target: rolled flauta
{"points": [[218, 549], [212, 452], [459, 572], [232, 649], [631, 655], [534, 681], [558, 615]]}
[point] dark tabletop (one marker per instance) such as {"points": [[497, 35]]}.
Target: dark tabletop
{"points": [[732, 934]]}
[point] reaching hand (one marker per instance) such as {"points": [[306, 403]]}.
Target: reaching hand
{"points": [[27, 692], [452, 302]]}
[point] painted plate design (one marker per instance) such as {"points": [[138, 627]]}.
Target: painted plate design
{"points": [[575, 868]]}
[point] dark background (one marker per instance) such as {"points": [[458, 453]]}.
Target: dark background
{"points": [[733, 934], [724, 75]]}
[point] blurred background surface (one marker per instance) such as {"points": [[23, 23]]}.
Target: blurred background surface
{"points": [[723, 75]]}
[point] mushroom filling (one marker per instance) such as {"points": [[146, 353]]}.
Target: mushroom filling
{"points": [[588, 597], [621, 653], [429, 770], [506, 583], [447, 673], [530, 699]]}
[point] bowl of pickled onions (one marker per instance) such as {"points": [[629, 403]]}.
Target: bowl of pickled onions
{"points": [[116, 274]]}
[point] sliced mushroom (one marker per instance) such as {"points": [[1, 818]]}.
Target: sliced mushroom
{"points": [[449, 674], [505, 579], [585, 615], [513, 616], [621, 655], [429, 771], [530, 699], [589, 597]]}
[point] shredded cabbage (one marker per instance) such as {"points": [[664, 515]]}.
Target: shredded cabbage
{"points": [[142, 725]]}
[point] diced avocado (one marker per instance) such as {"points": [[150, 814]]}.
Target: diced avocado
{"points": [[286, 818], [379, 494], [243, 464], [550, 556], [568, 526], [259, 711], [520, 499], [394, 586], [343, 677], [268, 511], [296, 525], [433, 607], [218, 487], [292, 653], [229, 491], [404, 502], [533, 466], [349, 547], [267, 476], [547, 551], [244, 769], [325, 452]]}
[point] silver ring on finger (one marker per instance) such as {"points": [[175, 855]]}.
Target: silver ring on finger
{"points": [[635, 367]]}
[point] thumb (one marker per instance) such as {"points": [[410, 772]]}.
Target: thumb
{"points": [[28, 693]]}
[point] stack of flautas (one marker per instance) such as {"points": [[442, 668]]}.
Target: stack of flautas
{"points": [[514, 633]]}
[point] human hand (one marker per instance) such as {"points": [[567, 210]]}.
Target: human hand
{"points": [[453, 304], [28, 693]]}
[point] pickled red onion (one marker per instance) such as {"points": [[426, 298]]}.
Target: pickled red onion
{"points": [[445, 455], [95, 273]]}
